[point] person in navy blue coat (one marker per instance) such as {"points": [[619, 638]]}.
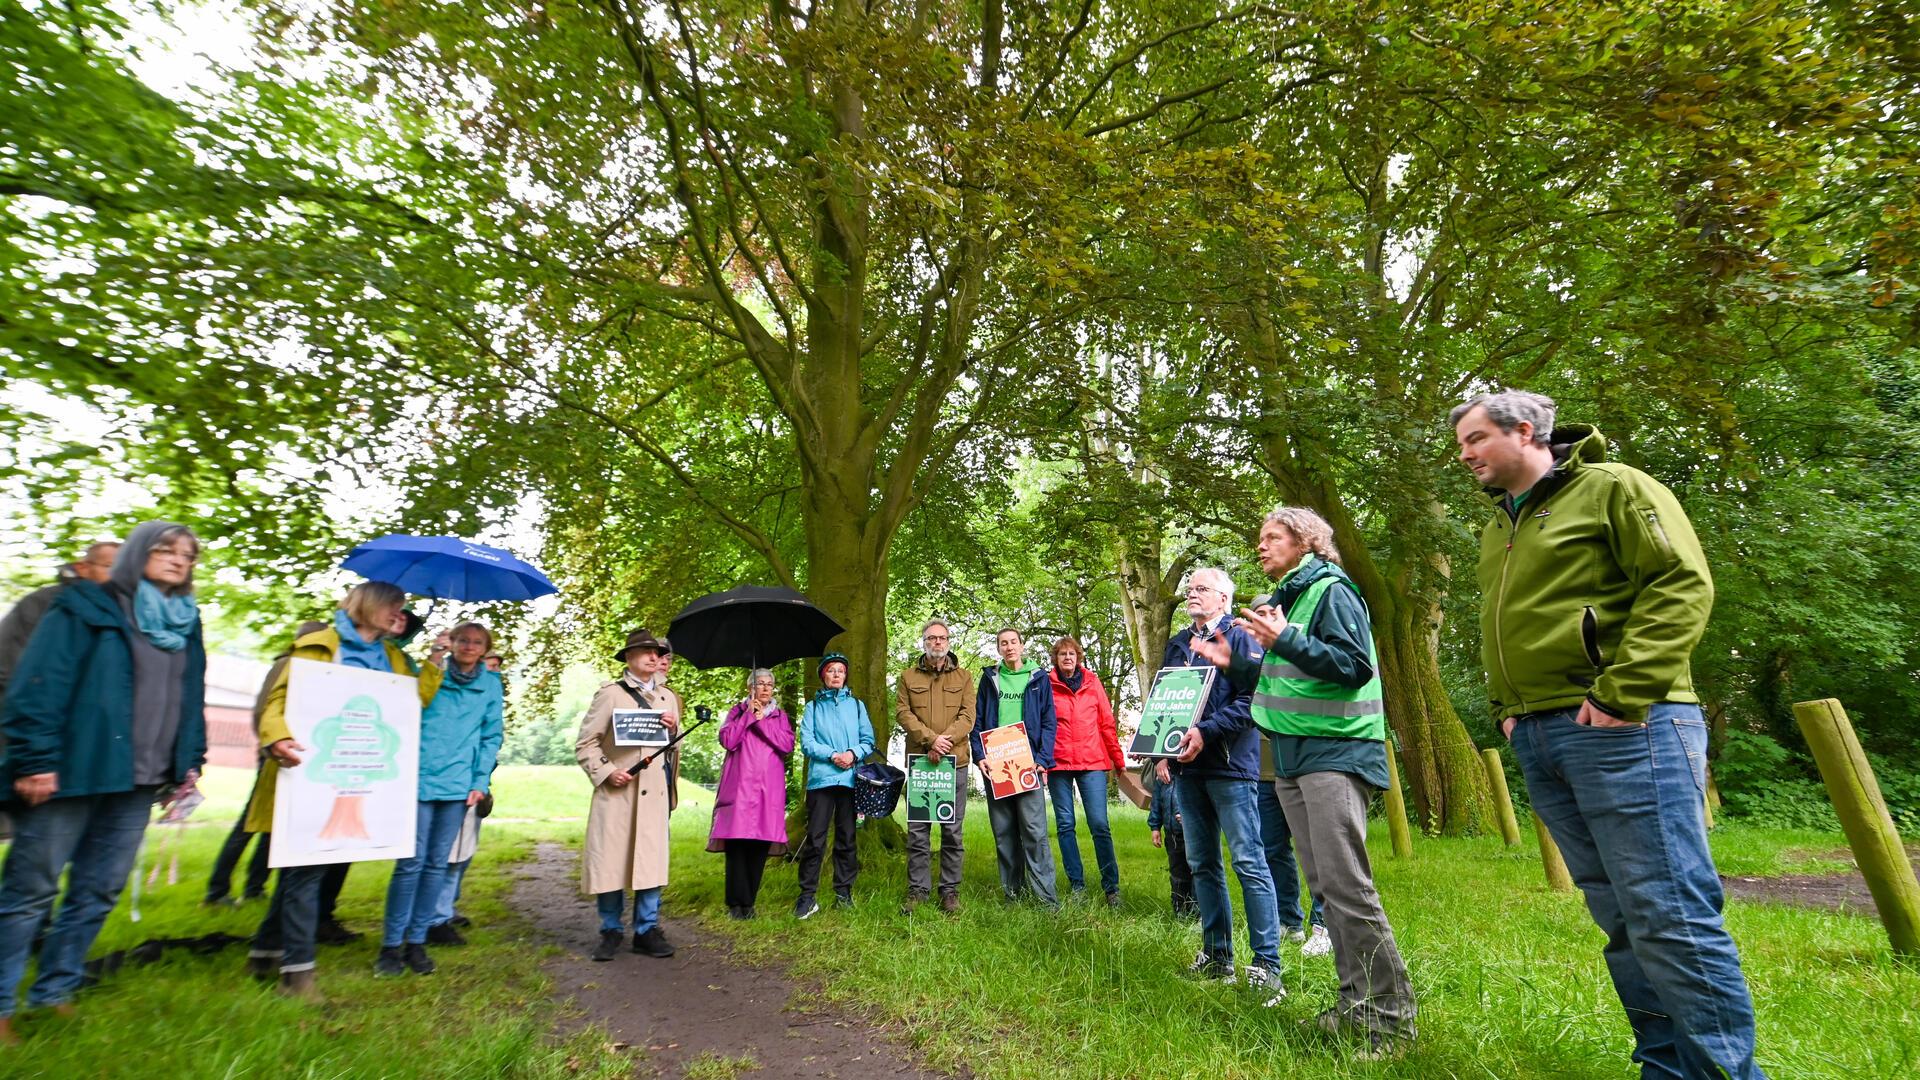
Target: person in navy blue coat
{"points": [[105, 713], [1218, 794]]}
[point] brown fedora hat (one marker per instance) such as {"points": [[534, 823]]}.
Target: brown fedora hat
{"points": [[640, 639]]}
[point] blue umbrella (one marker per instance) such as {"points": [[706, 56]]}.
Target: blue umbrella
{"points": [[447, 567]]}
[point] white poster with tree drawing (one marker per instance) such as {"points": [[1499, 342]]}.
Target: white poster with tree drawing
{"points": [[353, 796]]}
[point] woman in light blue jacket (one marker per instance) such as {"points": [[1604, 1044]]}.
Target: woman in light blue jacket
{"points": [[836, 736], [460, 734]]}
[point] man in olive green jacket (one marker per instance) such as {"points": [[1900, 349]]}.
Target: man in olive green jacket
{"points": [[1594, 593], [933, 703]]}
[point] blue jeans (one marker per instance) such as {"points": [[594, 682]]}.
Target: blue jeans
{"points": [[287, 931], [1208, 808], [100, 836], [1093, 796], [1625, 806], [414, 890], [646, 909], [443, 911], [1278, 839]]}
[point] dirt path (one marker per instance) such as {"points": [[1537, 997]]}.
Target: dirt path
{"points": [[699, 1004], [1845, 892]]}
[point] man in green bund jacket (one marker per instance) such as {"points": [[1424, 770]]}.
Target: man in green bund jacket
{"points": [[1594, 592], [1317, 699]]}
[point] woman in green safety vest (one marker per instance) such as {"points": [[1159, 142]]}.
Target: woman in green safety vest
{"points": [[1317, 697]]}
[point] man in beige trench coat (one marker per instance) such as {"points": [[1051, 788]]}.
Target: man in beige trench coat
{"points": [[627, 821]]}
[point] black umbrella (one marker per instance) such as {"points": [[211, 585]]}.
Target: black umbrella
{"points": [[751, 626]]}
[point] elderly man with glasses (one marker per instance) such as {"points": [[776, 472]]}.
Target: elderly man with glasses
{"points": [[1218, 794], [934, 705]]}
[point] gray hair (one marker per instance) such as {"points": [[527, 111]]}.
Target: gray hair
{"points": [[1508, 409], [1312, 530], [931, 623], [754, 677], [1217, 578]]}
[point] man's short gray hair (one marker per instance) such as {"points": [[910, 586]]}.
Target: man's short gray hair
{"points": [[1508, 409], [1216, 578]]}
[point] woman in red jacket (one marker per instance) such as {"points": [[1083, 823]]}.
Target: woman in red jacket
{"points": [[1086, 744]]}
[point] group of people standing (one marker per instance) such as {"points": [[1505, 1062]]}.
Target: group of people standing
{"points": [[1595, 591]]}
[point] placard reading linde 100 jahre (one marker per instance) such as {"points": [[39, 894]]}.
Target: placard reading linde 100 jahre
{"points": [[1179, 694]]}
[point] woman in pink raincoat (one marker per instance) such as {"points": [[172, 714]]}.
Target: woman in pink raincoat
{"points": [[750, 808]]}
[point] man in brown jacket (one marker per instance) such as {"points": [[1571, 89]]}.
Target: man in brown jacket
{"points": [[934, 705]]}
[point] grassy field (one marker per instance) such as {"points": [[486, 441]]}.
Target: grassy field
{"points": [[1509, 975]]}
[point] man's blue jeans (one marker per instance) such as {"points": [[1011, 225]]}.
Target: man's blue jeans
{"points": [[646, 909], [1626, 807], [1209, 808], [100, 836], [1278, 838], [414, 890], [1093, 796]]}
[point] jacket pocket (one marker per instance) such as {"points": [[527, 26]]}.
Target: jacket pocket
{"points": [[1590, 637]]}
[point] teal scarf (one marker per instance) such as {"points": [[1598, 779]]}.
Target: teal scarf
{"points": [[165, 620]]}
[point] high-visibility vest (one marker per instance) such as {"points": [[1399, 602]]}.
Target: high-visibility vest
{"points": [[1288, 701]]}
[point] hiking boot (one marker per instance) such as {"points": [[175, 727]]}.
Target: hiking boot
{"points": [[389, 963], [736, 912], [806, 907], [303, 985], [1207, 966], [842, 901], [609, 945], [653, 943], [914, 899], [264, 967], [949, 901], [1113, 899], [444, 934], [417, 959], [1318, 943], [330, 932], [1266, 980]]}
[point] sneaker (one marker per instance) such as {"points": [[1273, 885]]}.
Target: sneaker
{"points": [[949, 901], [1207, 966], [736, 913], [1379, 1046], [842, 901], [609, 945], [1267, 980], [914, 899], [330, 932], [1318, 943], [460, 921], [653, 943], [806, 907], [417, 959], [389, 964], [1113, 899], [445, 934], [1293, 934]]}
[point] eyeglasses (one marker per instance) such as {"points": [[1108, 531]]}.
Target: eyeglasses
{"points": [[934, 637], [1191, 589]]}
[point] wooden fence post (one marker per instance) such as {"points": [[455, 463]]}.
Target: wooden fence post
{"points": [[1397, 808], [1502, 801], [1863, 814], [1558, 879]]}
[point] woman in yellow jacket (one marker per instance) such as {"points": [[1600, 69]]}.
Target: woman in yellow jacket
{"points": [[361, 636]]}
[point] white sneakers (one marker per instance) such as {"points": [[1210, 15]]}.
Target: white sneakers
{"points": [[1318, 943], [1265, 979]]}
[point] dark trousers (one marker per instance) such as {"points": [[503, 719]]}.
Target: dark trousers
{"points": [[830, 807], [746, 863], [331, 882], [221, 883], [287, 932], [1174, 839]]}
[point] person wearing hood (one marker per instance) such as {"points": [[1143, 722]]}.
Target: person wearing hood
{"points": [[1086, 747], [835, 736], [106, 712], [750, 802], [1016, 691], [933, 703], [1594, 592], [1316, 693], [362, 635], [460, 735]]}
